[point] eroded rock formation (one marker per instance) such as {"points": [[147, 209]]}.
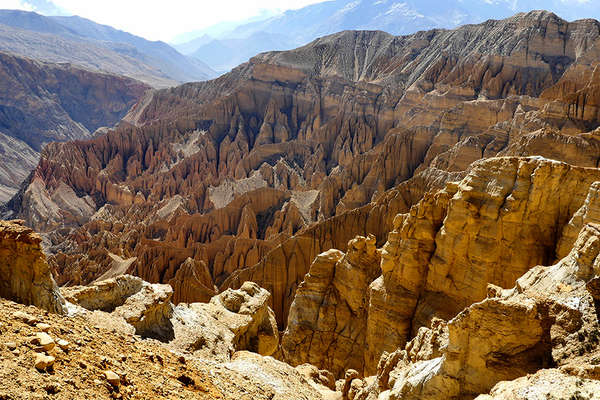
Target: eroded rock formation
{"points": [[224, 172], [232, 321], [45, 102], [328, 318], [547, 325], [506, 216], [25, 276]]}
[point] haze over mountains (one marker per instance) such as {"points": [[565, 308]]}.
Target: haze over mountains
{"points": [[224, 49], [98, 47], [47, 102], [63, 77]]}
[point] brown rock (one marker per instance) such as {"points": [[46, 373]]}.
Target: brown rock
{"points": [[44, 362], [112, 378], [149, 311], [43, 327], [328, 317], [43, 341], [233, 321], [63, 344], [545, 383], [539, 323], [147, 307]]}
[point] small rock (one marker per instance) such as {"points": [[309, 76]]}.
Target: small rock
{"points": [[27, 318], [112, 378], [63, 344], [10, 345], [43, 362], [16, 352], [44, 341], [43, 327]]}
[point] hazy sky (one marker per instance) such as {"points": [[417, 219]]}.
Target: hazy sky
{"points": [[165, 19], [159, 19]]}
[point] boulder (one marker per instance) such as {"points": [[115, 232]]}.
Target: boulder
{"points": [[233, 320]]}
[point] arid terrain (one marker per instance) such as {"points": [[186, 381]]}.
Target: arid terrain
{"points": [[365, 217]]}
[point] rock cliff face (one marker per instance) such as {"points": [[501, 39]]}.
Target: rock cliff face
{"points": [[506, 216], [25, 276], [476, 336], [547, 325], [44, 102], [326, 325], [254, 174]]}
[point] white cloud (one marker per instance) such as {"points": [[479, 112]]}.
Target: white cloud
{"points": [[16, 5], [162, 20]]}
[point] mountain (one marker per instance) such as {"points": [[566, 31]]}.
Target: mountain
{"points": [[222, 54], [297, 27], [43, 102], [162, 56], [99, 47]]}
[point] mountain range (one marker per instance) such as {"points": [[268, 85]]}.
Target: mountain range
{"points": [[44, 102], [98, 47], [224, 49]]}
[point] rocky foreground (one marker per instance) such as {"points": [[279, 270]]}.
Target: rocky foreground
{"points": [[123, 338]]}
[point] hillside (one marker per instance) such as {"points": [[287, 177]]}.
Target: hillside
{"points": [[254, 174], [44, 102]]}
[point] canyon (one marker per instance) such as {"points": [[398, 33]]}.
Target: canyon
{"points": [[44, 102], [252, 175], [372, 216]]}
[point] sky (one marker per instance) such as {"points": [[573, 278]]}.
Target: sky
{"points": [[165, 20], [159, 19]]}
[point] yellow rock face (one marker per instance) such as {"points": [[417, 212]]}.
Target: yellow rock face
{"points": [[25, 276], [453, 249], [327, 321]]}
